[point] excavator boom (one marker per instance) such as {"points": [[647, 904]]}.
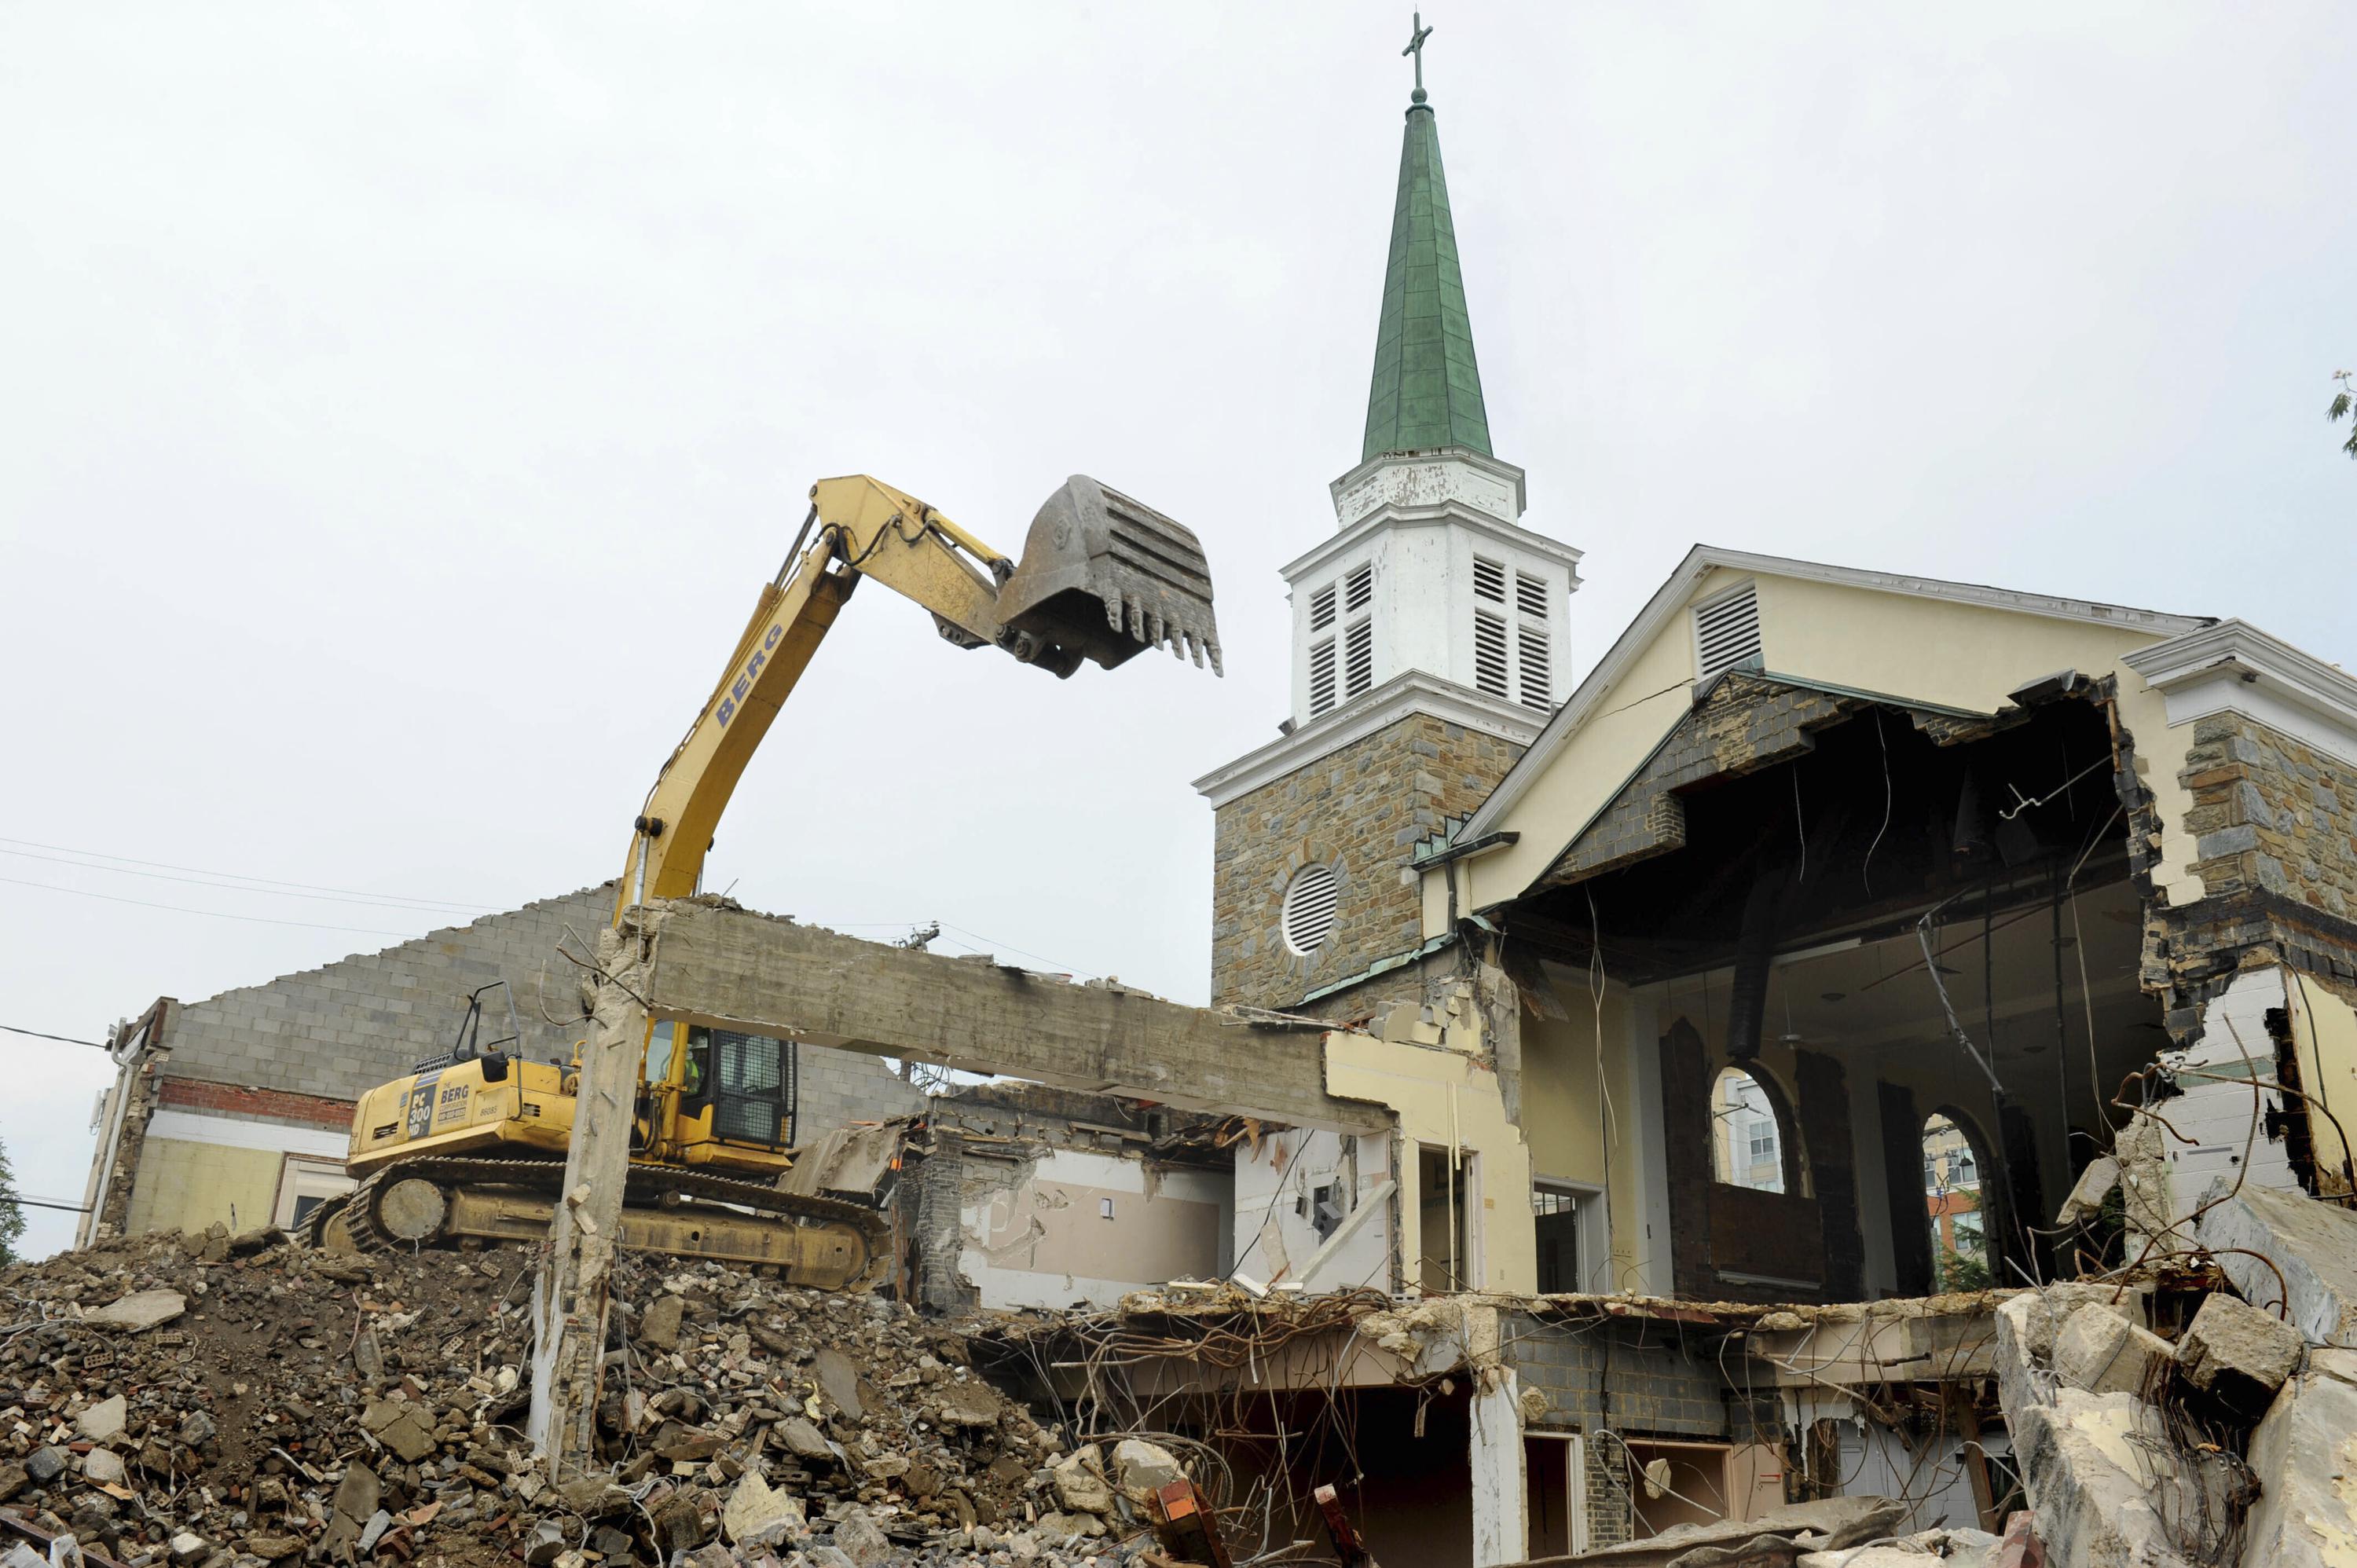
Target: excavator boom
{"points": [[472, 1144], [1103, 577]]}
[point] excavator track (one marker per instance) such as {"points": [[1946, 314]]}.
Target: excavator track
{"points": [[657, 1188]]}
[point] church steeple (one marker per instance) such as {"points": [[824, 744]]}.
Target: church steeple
{"points": [[1428, 630], [1427, 387]]}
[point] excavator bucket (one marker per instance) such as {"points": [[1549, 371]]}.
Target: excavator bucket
{"points": [[1103, 577]]}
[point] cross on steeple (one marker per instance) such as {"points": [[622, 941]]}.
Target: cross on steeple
{"points": [[1418, 34]]}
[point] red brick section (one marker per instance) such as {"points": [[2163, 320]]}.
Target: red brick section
{"points": [[234, 1099]]}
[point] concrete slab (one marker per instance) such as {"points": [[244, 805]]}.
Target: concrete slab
{"points": [[139, 1311], [2305, 1455], [2313, 1243]]}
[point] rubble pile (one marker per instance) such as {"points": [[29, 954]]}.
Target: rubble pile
{"points": [[217, 1401], [2228, 1441]]}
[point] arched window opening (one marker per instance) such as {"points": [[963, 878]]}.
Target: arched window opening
{"points": [[1953, 1172], [1747, 1134]]}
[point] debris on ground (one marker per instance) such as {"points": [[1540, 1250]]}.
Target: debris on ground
{"points": [[1829, 1530], [219, 1401]]}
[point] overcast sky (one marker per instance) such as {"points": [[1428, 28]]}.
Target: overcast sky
{"points": [[402, 408]]}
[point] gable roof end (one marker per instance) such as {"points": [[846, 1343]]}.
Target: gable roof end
{"points": [[1672, 596]]}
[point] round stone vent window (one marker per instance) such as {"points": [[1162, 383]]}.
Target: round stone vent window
{"points": [[1307, 918]]}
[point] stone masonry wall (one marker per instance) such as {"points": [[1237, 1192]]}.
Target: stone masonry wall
{"points": [[1357, 809], [2275, 826], [2272, 815]]}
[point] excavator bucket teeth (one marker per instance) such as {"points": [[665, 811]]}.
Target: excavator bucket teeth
{"points": [[1103, 577]]}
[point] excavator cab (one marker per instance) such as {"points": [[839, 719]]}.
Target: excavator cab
{"points": [[1102, 576]]}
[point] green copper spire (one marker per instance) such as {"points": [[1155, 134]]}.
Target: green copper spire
{"points": [[1428, 389]]}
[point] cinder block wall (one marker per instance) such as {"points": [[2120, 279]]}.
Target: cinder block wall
{"points": [[343, 1029], [1632, 1381], [1657, 1387], [841, 1087], [339, 1030], [298, 1049], [1358, 808]]}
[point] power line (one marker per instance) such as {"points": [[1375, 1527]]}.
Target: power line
{"points": [[61, 1039], [417, 907], [1010, 947], [216, 914], [264, 882]]}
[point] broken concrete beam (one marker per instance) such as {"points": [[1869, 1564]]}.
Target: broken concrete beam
{"points": [[2231, 1349], [2311, 1243], [2103, 1353], [2302, 1455], [718, 965]]}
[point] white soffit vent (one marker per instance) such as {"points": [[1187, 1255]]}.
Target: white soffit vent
{"points": [[1727, 632], [1307, 918]]}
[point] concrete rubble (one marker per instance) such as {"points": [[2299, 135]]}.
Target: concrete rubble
{"points": [[2227, 1434], [217, 1401], [177, 1401]]}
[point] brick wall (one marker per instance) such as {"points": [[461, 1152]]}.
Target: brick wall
{"points": [[255, 1104], [1749, 721], [1713, 1226], [1611, 1512], [1824, 1116], [1358, 808]]}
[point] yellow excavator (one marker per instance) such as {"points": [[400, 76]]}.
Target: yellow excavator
{"points": [[472, 1143]]}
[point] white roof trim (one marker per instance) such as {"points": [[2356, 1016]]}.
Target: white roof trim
{"points": [[1508, 535], [2235, 665], [1670, 597], [1410, 692]]}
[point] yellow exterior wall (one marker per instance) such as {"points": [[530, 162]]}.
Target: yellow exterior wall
{"points": [[2324, 1032], [1653, 693], [1906, 646], [184, 1186], [1444, 1095], [1571, 1137]]}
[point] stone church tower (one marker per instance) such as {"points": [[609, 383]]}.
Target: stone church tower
{"points": [[1427, 637]]}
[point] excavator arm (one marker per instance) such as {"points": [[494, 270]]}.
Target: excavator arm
{"points": [[1103, 577]]}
